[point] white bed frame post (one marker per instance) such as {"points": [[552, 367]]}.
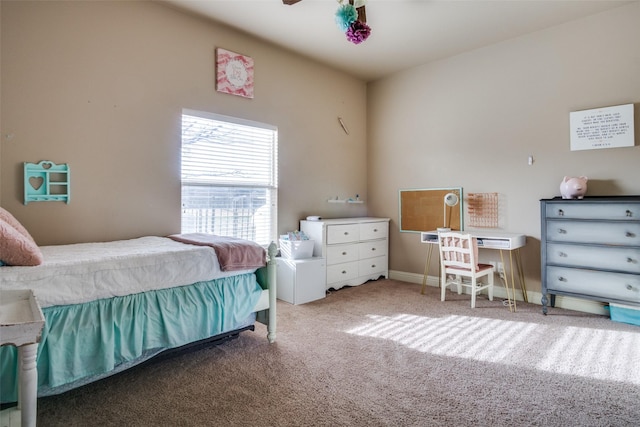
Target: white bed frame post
{"points": [[271, 272]]}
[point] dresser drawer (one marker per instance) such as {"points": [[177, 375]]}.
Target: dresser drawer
{"points": [[606, 285], [372, 249], [374, 230], [373, 265], [337, 254], [346, 233], [340, 272], [608, 233], [615, 258], [586, 210]]}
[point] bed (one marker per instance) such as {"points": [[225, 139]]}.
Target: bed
{"points": [[110, 306]]}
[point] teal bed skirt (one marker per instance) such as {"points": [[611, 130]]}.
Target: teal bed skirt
{"points": [[85, 342]]}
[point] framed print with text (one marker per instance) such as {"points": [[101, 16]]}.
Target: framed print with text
{"points": [[607, 127], [234, 73]]}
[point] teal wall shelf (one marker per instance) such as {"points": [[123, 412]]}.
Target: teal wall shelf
{"points": [[46, 182]]}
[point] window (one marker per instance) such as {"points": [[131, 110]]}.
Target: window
{"points": [[229, 177]]}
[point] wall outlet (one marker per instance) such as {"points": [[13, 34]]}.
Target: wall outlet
{"points": [[501, 270], [498, 267]]}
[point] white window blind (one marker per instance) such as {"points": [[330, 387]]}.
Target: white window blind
{"points": [[229, 177]]}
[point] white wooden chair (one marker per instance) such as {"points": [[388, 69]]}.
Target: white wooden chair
{"points": [[458, 260]]}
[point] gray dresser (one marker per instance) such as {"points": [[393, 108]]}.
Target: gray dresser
{"points": [[590, 249]]}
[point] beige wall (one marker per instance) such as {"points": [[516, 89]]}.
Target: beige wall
{"points": [[473, 120], [101, 86]]}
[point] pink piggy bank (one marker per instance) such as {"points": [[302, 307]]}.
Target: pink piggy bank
{"points": [[573, 187]]}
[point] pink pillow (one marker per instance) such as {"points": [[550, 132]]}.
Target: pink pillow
{"points": [[16, 248], [6, 216]]}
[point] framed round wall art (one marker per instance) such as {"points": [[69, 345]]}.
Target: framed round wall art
{"points": [[234, 73]]}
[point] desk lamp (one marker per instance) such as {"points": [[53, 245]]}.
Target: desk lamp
{"points": [[450, 200]]}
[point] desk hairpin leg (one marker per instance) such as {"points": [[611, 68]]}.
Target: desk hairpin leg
{"points": [[521, 276], [511, 290], [426, 269], [510, 300]]}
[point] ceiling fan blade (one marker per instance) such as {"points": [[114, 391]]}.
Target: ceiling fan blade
{"points": [[290, 2]]}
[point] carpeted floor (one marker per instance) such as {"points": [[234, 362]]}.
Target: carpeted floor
{"points": [[382, 354]]}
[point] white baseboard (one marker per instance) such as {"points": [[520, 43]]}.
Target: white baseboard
{"points": [[568, 303]]}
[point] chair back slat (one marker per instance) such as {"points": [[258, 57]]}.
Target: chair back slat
{"points": [[458, 250], [459, 260]]}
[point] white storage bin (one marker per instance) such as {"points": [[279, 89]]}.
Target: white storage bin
{"points": [[296, 249], [301, 280]]}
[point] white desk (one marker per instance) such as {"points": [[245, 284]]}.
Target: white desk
{"points": [[21, 323], [495, 240]]}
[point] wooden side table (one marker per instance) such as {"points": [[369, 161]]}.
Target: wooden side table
{"points": [[21, 323]]}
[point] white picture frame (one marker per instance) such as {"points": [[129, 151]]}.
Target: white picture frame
{"points": [[607, 127]]}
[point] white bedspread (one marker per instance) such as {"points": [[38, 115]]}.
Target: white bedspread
{"points": [[73, 274]]}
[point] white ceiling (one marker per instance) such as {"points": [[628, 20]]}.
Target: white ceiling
{"points": [[404, 33]]}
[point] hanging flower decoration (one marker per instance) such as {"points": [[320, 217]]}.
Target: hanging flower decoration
{"points": [[345, 16], [352, 20], [358, 32]]}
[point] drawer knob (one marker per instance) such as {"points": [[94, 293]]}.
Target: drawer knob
{"points": [[629, 287], [373, 249], [373, 266], [632, 261], [560, 212], [562, 231], [346, 233], [630, 234], [375, 230], [562, 254], [629, 213], [562, 279], [344, 253], [344, 272]]}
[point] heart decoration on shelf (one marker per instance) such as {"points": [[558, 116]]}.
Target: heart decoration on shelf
{"points": [[36, 182]]}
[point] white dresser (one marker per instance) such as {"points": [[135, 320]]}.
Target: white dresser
{"points": [[591, 249], [356, 249]]}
